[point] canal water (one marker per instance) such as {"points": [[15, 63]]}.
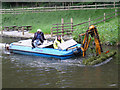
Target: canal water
{"points": [[23, 71]]}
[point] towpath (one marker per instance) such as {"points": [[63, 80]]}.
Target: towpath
{"points": [[27, 35]]}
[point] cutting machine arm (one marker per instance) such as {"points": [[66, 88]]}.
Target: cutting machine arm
{"points": [[94, 33]]}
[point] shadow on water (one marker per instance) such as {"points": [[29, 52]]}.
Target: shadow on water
{"points": [[23, 71]]}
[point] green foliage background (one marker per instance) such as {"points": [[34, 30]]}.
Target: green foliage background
{"points": [[108, 32]]}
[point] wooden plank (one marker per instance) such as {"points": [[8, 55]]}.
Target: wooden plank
{"points": [[81, 23], [61, 29], [62, 26], [97, 18], [67, 44]]}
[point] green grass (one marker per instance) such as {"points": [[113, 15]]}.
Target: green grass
{"points": [[45, 20], [108, 32]]}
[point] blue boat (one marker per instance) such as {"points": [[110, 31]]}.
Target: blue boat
{"points": [[46, 50]]}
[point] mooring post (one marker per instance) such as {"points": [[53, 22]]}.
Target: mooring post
{"points": [[22, 30], [71, 24], [104, 17], [62, 23]]}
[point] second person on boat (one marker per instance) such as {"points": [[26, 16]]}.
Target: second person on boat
{"points": [[57, 41]]}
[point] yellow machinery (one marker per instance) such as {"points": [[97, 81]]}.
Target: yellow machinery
{"points": [[94, 33]]}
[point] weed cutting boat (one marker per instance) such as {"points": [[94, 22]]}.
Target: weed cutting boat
{"points": [[68, 49]]}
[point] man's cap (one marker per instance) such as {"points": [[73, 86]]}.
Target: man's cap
{"points": [[39, 30]]}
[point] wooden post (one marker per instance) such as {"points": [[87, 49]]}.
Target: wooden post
{"points": [[43, 9], [22, 9], [104, 5], [63, 5], [104, 17], [57, 29], [68, 6], [13, 11], [2, 11], [72, 2], [10, 9], [89, 21], [39, 9], [1, 30], [36, 4], [49, 4], [71, 24], [55, 8], [95, 6], [51, 32], [62, 23], [115, 12], [22, 30], [10, 6], [114, 3], [32, 9]]}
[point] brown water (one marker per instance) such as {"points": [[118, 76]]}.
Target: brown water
{"points": [[22, 71]]}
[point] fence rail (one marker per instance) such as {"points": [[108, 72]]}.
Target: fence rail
{"points": [[57, 8], [62, 30], [16, 28]]}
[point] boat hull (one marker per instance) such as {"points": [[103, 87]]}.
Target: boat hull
{"points": [[45, 52]]}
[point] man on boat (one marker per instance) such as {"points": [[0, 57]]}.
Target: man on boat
{"points": [[57, 41], [38, 38]]}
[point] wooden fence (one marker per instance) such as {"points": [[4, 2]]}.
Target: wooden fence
{"points": [[63, 28], [57, 8], [68, 28]]}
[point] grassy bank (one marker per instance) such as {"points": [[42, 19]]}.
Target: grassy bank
{"points": [[46, 19], [108, 32]]}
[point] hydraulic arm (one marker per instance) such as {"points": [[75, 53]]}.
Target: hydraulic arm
{"points": [[93, 32]]}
